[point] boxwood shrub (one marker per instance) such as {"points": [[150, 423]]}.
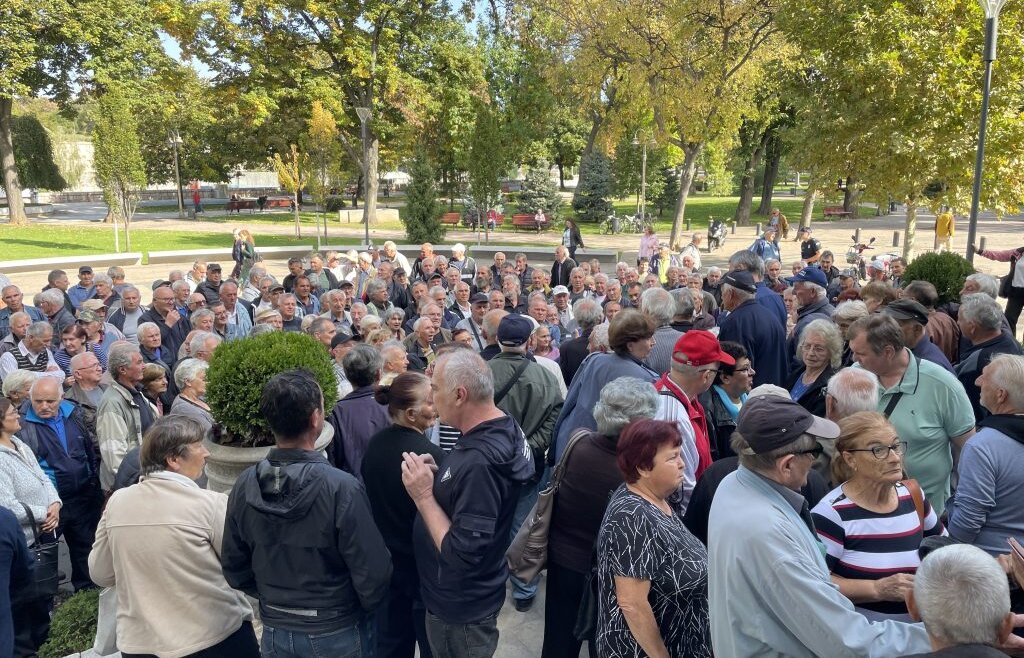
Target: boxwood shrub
{"points": [[239, 370], [946, 271]]}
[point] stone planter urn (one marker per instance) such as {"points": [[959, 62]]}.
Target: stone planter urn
{"points": [[226, 463]]}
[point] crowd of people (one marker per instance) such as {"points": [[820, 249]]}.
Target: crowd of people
{"points": [[749, 463]]}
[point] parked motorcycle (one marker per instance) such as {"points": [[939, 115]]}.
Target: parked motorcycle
{"points": [[855, 255], [716, 233]]}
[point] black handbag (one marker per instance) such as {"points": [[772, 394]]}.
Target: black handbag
{"points": [[45, 577], [585, 628]]}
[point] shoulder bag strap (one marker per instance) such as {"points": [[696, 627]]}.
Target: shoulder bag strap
{"points": [[895, 399], [32, 522], [500, 395], [917, 496], [556, 476]]}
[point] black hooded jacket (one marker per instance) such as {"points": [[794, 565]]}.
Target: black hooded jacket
{"points": [[478, 487], [299, 536]]}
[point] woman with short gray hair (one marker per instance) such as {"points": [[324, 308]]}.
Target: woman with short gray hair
{"points": [[819, 351], [591, 475], [190, 378]]}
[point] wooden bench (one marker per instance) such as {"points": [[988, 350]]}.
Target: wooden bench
{"points": [[238, 205], [278, 202], [527, 221], [836, 211], [451, 218]]}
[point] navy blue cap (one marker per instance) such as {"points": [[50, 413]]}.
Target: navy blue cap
{"points": [[514, 330]]}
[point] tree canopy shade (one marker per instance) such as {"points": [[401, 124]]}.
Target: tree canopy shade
{"points": [[56, 47], [33, 154], [117, 158]]}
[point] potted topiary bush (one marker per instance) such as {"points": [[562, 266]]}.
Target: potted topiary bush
{"points": [[238, 371], [946, 271], [73, 628]]}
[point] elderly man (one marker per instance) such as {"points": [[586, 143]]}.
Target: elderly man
{"points": [[391, 253], [422, 343], [323, 330], [305, 299], [745, 260], [221, 325], [812, 304], [58, 280], [568, 324], [364, 274], [465, 513], [291, 318], [51, 303], [692, 250], [357, 416], [33, 354], [87, 391], [588, 314], [771, 593], [396, 361], [913, 320], [14, 300], [18, 324], [986, 510], [127, 318], [460, 306], [210, 288], [152, 349], [426, 257], [203, 344], [336, 312], [562, 268], [182, 293], [474, 321], [239, 310], [529, 394], [377, 298], [341, 344], [980, 319], [463, 263], [754, 327], [300, 537], [657, 304], [963, 598], [196, 275], [942, 329], [926, 404], [321, 279], [251, 292], [59, 436], [124, 414], [84, 289], [173, 327]]}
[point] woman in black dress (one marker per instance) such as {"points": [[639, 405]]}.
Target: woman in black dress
{"points": [[652, 573]]}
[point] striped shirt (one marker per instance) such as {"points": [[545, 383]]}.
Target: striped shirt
{"points": [[866, 545]]}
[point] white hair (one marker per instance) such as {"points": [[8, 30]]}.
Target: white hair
{"points": [[17, 380], [1008, 374], [659, 305], [188, 370], [987, 283], [983, 310], [623, 400], [51, 296], [854, 389], [465, 368], [962, 595], [829, 332]]}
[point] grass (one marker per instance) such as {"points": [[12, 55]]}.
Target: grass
{"points": [[44, 240]]}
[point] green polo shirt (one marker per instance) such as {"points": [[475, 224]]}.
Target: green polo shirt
{"points": [[934, 409]]}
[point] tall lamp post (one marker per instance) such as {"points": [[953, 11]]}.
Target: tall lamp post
{"points": [[364, 117], [174, 139], [642, 205], [991, 9]]}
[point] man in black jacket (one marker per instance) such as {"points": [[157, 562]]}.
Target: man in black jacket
{"points": [[465, 513], [299, 536], [588, 314]]}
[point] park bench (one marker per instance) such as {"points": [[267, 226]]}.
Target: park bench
{"points": [[278, 202], [238, 205], [836, 211], [527, 221], [451, 218]]}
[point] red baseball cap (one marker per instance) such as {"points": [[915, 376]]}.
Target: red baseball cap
{"points": [[699, 348]]}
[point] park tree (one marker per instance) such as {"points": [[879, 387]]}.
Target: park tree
{"points": [[59, 47], [539, 192], [484, 168], [321, 144], [892, 97], [422, 213], [117, 158], [593, 193], [566, 141], [669, 190], [628, 166], [293, 174], [34, 156]]}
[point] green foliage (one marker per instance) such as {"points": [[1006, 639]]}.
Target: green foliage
{"points": [[422, 216], [73, 628], [539, 191], [628, 166], [566, 141], [946, 271], [33, 155], [483, 169], [591, 201], [240, 369], [335, 203], [666, 199], [117, 156]]}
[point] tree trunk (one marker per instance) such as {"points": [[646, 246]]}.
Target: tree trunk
{"points": [[808, 208], [848, 195], [771, 172], [742, 215], [298, 227], [126, 213], [691, 152], [372, 162], [561, 177], [12, 187], [908, 239]]}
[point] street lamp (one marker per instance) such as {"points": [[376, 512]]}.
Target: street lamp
{"points": [[642, 203], [174, 139], [991, 9], [364, 116]]}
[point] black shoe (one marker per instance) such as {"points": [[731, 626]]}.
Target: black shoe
{"points": [[523, 605]]}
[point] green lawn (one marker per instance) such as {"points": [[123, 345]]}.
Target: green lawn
{"points": [[700, 210], [42, 241]]}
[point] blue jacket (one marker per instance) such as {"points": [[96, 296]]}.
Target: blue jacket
{"points": [[772, 301], [16, 564], [819, 310], [70, 461], [751, 325], [355, 419], [5, 318]]}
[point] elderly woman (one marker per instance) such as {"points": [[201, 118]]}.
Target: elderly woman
{"points": [[25, 488], [873, 523], [723, 401], [410, 404], [652, 573], [631, 337], [542, 344], [845, 315], [820, 353], [393, 320], [190, 378], [877, 294], [75, 341], [202, 320], [154, 385], [158, 543], [16, 386], [590, 476]]}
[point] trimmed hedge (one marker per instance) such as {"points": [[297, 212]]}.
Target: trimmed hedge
{"points": [[946, 271], [73, 628], [240, 369]]}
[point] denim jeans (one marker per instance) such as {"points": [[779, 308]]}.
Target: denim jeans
{"points": [[476, 640], [359, 641], [527, 499]]}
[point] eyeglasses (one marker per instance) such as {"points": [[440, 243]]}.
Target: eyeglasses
{"points": [[746, 369], [815, 452], [815, 349], [881, 452]]}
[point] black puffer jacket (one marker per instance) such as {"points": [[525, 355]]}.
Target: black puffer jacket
{"points": [[300, 537]]}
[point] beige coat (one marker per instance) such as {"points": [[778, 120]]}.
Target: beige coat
{"points": [[159, 543]]}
